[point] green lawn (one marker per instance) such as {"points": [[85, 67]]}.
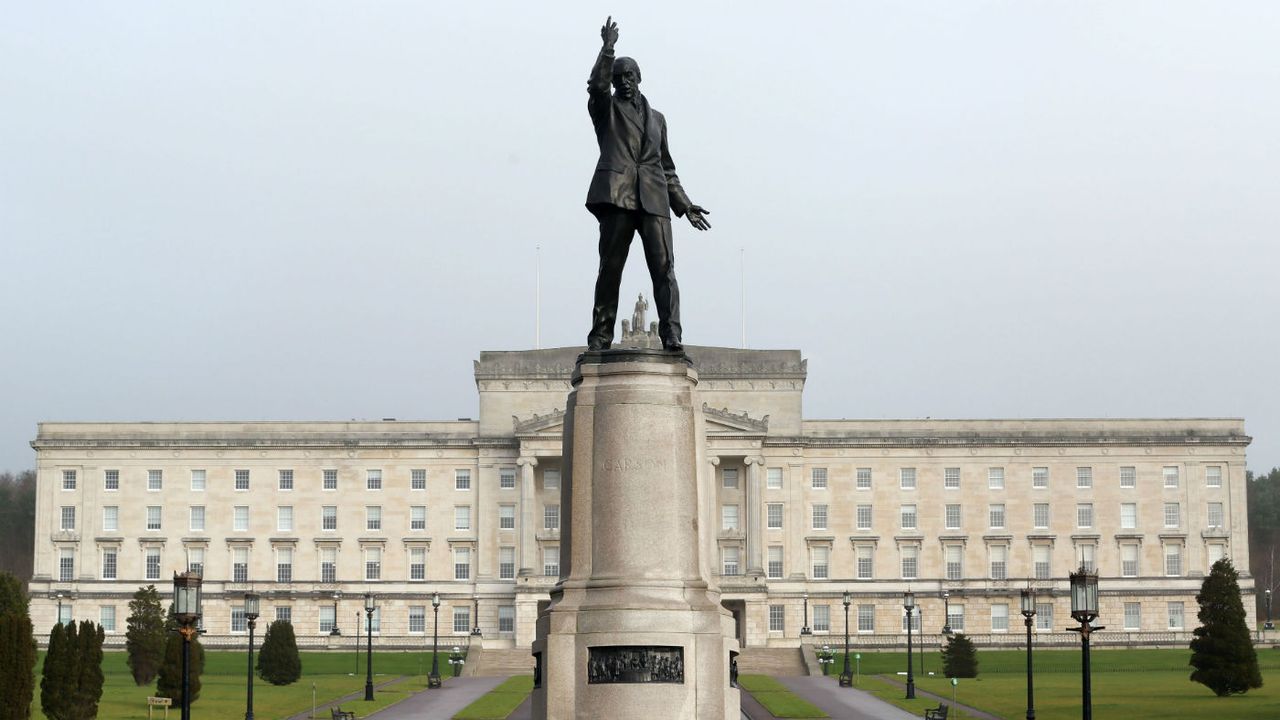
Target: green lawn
{"points": [[224, 684], [777, 699], [499, 702]]}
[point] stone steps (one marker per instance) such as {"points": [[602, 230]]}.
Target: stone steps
{"points": [[777, 662], [498, 663]]}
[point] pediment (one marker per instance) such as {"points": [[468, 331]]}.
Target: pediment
{"points": [[723, 420]]}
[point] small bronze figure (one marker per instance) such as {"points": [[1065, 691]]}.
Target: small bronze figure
{"points": [[634, 188]]}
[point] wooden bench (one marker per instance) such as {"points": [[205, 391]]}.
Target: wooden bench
{"points": [[938, 713], [338, 713]]}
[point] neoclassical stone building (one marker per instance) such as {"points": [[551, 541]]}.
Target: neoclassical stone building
{"points": [[965, 513]]}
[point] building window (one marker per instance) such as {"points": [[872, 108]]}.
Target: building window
{"points": [[1088, 557], [729, 478], [155, 480], [373, 480], [551, 479], [1041, 558], [1129, 560], [373, 563], [777, 618], [1084, 515], [462, 517], [1128, 516], [153, 517], [996, 515], [915, 621], [462, 619], [1213, 475], [1215, 515], [242, 480], [153, 563], [910, 559], [1175, 616], [866, 563], [863, 517], [1217, 551], [417, 563], [907, 478], [286, 480], [907, 513], [68, 520], [821, 563], [240, 518], [506, 563], [240, 565], [1039, 478], [461, 479], [506, 479], [111, 480], [1128, 476], [1084, 477], [284, 518], [110, 518], [66, 565], [284, 613], [551, 517], [197, 518], [506, 517], [328, 565], [774, 569], [999, 617], [818, 478], [951, 478], [239, 623], [728, 517], [1171, 476], [819, 517], [109, 564], [822, 618], [1172, 515], [955, 561], [375, 623], [418, 517], [373, 517], [327, 619], [951, 515], [866, 618], [1173, 560], [198, 478], [995, 478], [417, 619], [506, 618], [999, 562], [1132, 616], [329, 517], [955, 617], [774, 512], [330, 481], [863, 481], [418, 479], [1044, 616], [773, 478], [462, 563], [729, 560], [1040, 515], [284, 565], [551, 561], [107, 618]]}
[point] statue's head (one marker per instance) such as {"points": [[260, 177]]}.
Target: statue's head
{"points": [[626, 77]]}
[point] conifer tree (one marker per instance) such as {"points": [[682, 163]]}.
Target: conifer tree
{"points": [[1222, 652], [57, 682], [145, 638], [17, 651], [89, 679], [169, 679], [279, 662], [959, 657]]}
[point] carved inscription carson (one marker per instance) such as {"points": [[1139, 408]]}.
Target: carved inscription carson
{"points": [[629, 464]]}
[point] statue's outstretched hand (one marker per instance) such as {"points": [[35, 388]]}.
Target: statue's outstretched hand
{"points": [[609, 33], [697, 217]]}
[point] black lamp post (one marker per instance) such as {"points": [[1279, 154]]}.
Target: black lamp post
{"points": [[826, 657], [251, 617], [1029, 612], [186, 611], [946, 613], [334, 631], [804, 628], [1084, 608], [59, 596], [475, 630], [433, 680], [358, 624], [846, 675], [1266, 626], [909, 604], [368, 662]]}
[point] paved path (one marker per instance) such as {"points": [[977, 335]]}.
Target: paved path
{"points": [[925, 693], [843, 703], [322, 710], [455, 694]]}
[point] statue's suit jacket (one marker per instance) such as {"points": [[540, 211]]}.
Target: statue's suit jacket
{"points": [[635, 170]]}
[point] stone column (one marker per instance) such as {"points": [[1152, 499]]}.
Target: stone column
{"points": [[796, 525], [528, 546], [754, 559]]}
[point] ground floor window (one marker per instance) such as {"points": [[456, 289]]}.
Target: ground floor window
{"points": [[506, 618], [866, 618], [462, 620], [777, 618], [822, 618]]}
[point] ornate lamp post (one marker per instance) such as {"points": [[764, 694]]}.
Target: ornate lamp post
{"points": [[475, 630], [334, 631], [826, 657], [251, 616], [186, 611], [433, 680], [368, 662], [804, 629], [946, 613], [1029, 612], [59, 596], [846, 675], [909, 604], [1084, 608], [358, 624], [1266, 626]]}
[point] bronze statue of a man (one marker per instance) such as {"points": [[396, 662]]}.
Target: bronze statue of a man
{"points": [[634, 188]]}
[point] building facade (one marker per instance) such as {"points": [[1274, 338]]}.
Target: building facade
{"points": [[965, 513]]}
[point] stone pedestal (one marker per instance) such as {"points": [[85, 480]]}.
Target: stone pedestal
{"points": [[635, 630]]}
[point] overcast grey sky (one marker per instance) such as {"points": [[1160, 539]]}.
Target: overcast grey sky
{"points": [[321, 210]]}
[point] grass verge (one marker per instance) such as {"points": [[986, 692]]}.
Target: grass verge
{"points": [[499, 702], [777, 699]]}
